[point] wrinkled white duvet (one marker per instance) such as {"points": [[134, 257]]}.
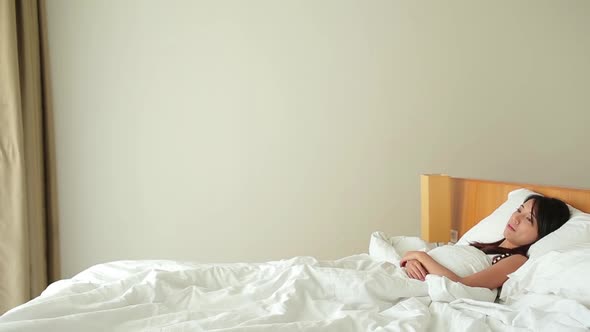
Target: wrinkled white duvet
{"points": [[356, 293]]}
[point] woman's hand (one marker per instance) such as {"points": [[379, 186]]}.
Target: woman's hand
{"points": [[415, 270], [412, 255]]}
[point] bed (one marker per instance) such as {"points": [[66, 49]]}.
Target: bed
{"points": [[364, 292]]}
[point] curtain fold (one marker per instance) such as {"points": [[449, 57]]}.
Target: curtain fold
{"points": [[26, 251]]}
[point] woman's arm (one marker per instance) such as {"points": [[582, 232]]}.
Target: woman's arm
{"points": [[492, 277]]}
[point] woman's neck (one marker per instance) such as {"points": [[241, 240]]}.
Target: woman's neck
{"points": [[507, 244]]}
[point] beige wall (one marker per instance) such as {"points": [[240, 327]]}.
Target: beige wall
{"points": [[256, 130]]}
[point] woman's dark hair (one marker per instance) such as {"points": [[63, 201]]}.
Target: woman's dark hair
{"points": [[551, 213]]}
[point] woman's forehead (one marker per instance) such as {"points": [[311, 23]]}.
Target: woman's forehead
{"points": [[528, 205]]}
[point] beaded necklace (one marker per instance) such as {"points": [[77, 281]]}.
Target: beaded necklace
{"points": [[496, 259]]}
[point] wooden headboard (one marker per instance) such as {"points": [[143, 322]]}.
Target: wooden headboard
{"points": [[449, 203]]}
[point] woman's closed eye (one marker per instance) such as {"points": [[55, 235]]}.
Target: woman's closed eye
{"points": [[528, 217]]}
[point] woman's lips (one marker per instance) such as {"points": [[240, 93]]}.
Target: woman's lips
{"points": [[510, 227]]}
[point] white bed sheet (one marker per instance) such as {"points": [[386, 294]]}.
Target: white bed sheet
{"points": [[356, 293]]}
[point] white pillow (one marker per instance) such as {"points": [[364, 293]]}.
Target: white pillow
{"points": [[491, 228], [561, 272], [574, 231]]}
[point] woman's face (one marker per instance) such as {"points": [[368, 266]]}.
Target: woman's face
{"points": [[522, 228]]}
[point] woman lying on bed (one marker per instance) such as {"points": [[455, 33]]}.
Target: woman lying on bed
{"points": [[535, 218]]}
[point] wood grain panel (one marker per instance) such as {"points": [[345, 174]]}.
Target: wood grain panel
{"points": [[472, 200], [435, 193]]}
